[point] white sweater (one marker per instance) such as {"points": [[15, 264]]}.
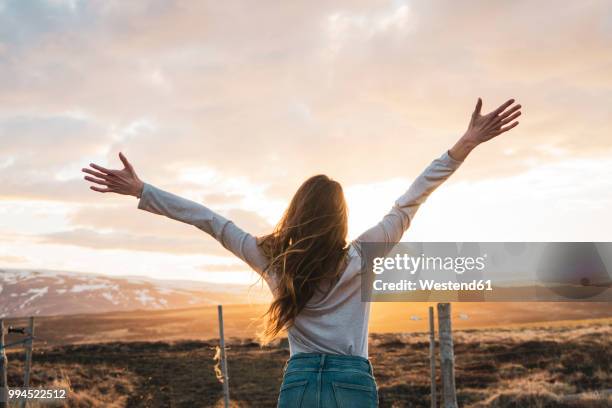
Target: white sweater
{"points": [[333, 323]]}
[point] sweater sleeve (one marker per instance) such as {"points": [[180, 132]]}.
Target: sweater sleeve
{"points": [[237, 241], [393, 225]]}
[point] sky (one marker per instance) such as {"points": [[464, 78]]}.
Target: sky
{"points": [[234, 103]]}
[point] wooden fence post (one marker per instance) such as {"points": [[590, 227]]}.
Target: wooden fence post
{"points": [[3, 370], [447, 356], [28, 359], [223, 358], [432, 356]]}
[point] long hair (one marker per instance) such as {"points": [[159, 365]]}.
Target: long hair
{"points": [[306, 249]]}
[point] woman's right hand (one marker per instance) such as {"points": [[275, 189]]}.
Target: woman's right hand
{"points": [[124, 181]]}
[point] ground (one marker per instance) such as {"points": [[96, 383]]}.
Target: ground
{"points": [[555, 366]]}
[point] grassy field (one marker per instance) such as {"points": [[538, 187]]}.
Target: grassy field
{"points": [[560, 365], [242, 321]]}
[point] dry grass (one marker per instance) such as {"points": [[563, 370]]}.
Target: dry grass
{"points": [[242, 321], [557, 366], [560, 366], [87, 385]]}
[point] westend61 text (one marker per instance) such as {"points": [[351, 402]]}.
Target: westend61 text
{"points": [[429, 284]]}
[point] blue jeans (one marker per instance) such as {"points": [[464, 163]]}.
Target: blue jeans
{"points": [[314, 380]]}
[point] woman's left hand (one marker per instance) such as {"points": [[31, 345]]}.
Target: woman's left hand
{"points": [[483, 128]]}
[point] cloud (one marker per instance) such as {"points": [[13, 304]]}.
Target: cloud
{"points": [[361, 90], [236, 103], [27, 186], [222, 268], [59, 137], [27, 23], [128, 218], [126, 228], [11, 259], [39, 151], [132, 242]]}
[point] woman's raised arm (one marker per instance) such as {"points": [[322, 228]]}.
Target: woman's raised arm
{"points": [[480, 129], [157, 201]]}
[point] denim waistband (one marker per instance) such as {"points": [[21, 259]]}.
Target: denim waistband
{"points": [[316, 361]]}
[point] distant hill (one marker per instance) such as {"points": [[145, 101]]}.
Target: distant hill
{"points": [[243, 321], [46, 293]]}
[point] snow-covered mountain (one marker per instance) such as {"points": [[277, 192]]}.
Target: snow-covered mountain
{"points": [[44, 293]]}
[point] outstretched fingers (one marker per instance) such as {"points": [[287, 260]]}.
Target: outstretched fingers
{"points": [[103, 180], [509, 112], [502, 107], [505, 128], [97, 181], [125, 162], [95, 173], [505, 116], [477, 108], [101, 169], [101, 190], [510, 118]]}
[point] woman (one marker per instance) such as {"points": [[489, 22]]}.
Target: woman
{"points": [[313, 273]]}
